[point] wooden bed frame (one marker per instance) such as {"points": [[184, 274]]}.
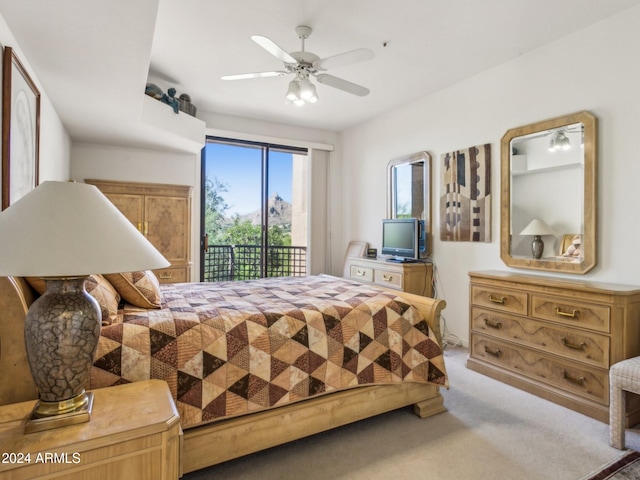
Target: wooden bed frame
{"points": [[224, 440]]}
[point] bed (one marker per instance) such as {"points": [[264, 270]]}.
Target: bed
{"points": [[257, 363]]}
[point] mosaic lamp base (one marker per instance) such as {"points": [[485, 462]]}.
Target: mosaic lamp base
{"points": [[62, 329]]}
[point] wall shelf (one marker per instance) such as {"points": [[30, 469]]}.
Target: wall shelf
{"points": [[555, 168], [180, 130]]}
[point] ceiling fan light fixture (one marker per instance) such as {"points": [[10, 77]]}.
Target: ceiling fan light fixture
{"points": [[565, 144], [307, 90], [301, 91], [302, 64], [559, 141], [293, 92], [313, 98]]}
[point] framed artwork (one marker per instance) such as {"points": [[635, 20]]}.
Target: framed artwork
{"points": [[20, 130], [465, 204]]}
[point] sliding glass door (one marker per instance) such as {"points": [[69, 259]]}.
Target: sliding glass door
{"points": [[254, 210]]}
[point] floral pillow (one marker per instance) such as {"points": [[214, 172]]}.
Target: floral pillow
{"points": [[141, 288], [98, 287]]}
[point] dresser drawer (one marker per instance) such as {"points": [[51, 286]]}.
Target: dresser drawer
{"points": [[387, 278], [568, 312], [363, 274], [410, 277], [173, 275], [573, 344], [499, 298], [578, 379]]}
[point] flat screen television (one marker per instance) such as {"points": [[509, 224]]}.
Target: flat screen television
{"points": [[403, 238]]}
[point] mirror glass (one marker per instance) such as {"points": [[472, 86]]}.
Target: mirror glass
{"points": [[548, 189], [409, 190]]}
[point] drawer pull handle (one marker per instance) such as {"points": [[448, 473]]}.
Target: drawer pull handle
{"points": [[500, 300], [494, 353], [572, 314], [166, 275], [576, 381], [360, 273], [568, 344], [496, 325], [387, 278]]}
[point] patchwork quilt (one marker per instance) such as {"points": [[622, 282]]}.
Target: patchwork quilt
{"points": [[232, 348]]}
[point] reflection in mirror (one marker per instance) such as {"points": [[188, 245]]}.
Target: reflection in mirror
{"points": [[548, 195], [546, 185], [409, 190]]}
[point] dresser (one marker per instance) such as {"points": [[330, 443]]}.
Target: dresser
{"points": [[134, 433], [162, 213], [553, 337], [413, 277]]}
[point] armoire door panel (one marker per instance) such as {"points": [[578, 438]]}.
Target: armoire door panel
{"points": [[165, 217], [131, 206]]}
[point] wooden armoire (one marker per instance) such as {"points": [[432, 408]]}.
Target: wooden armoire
{"points": [[162, 213]]}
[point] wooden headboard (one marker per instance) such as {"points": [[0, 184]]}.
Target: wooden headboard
{"points": [[16, 382]]}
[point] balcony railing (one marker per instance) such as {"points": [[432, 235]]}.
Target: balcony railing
{"points": [[244, 262]]}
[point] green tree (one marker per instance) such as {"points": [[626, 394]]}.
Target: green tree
{"points": [[279, 236], [215, 209], [241, 232]]}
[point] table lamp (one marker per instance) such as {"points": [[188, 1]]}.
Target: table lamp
{"points": [[64, 232], [537, 228]]}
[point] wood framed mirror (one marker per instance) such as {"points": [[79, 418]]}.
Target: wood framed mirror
{"points": [[409, 191], [548, 195]]}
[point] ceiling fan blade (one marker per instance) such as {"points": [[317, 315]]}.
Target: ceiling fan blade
{"points": [[347, 58], [273, 49], [243, 76], [341, 84]]}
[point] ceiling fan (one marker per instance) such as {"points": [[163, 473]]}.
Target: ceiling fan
{"points": [[304, 64]]}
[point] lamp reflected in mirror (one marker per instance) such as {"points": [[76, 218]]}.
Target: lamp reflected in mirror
{"points": [[537, 228]]}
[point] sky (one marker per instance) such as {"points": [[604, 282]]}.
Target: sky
{"points": [[238, 167]]}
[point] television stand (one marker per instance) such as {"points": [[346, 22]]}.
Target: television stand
{"points": [[410, 277]]}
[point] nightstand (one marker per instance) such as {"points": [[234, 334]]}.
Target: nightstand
{"points": [[134, 433], [413, 277]]}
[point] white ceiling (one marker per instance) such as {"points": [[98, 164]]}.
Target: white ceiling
{"points": [[94, 57]]}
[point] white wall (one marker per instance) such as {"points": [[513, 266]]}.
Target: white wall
{"points": [[111, 162], [593, 69], [55, 143]]}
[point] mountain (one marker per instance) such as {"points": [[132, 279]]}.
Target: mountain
{"points": [[279, 213]]}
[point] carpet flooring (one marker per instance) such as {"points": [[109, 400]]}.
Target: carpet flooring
{"points": [[490, 430]]}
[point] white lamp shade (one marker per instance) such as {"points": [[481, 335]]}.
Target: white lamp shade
{"points": [[537, 227], [293, 92], [307, 90], [71, 229]]}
